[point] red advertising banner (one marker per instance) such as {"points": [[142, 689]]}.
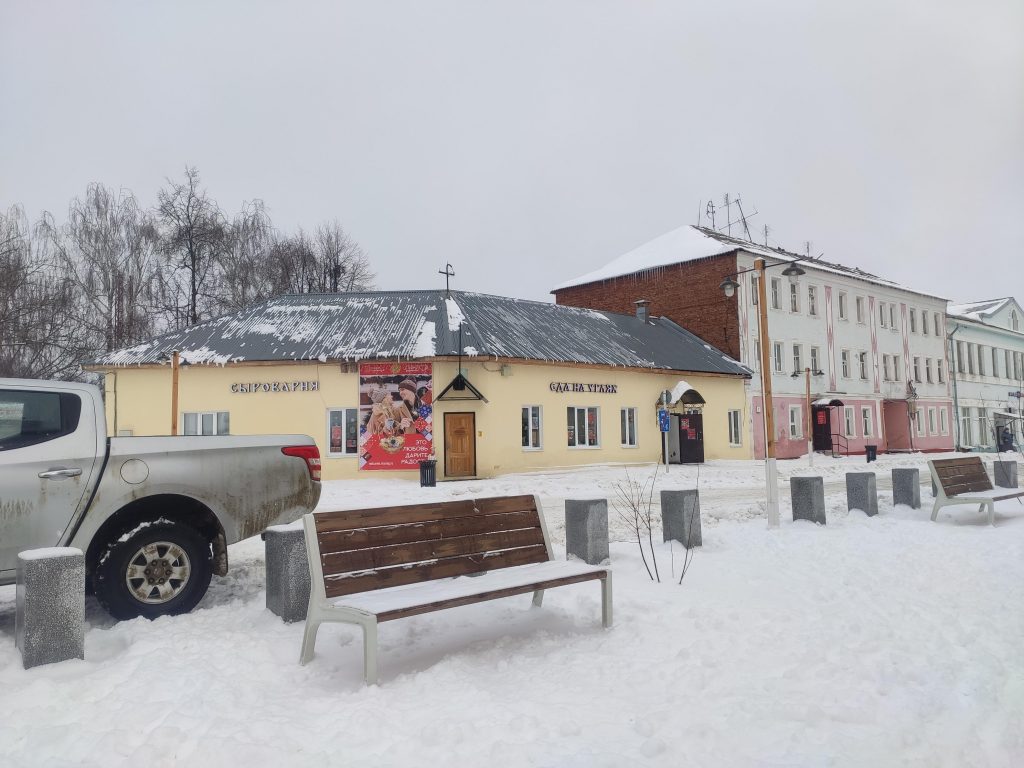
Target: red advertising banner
{"points": [[396, 422]]}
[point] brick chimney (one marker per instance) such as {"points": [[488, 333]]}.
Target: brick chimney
{"points": [[641, 309]]}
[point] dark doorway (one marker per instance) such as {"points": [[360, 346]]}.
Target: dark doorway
{"points": [[689, 430], [822, 416], [460, 445]]}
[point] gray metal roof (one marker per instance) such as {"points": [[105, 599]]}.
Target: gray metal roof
{"points": [[422, 324]]}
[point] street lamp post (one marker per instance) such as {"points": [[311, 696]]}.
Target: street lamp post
{"points": [[729, 286]]}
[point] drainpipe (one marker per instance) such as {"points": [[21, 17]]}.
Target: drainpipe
{"points": [[953, 369]]}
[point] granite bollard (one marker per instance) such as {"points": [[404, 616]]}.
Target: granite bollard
{"points": [[586, 530], [680, 517], [49, 621], [906, 487], [1005, 473], [861, 492], [287, 571], [808, 497]]}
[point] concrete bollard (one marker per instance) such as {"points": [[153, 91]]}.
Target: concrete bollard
{"points": [[287, 571], [906, 487], [49, 621], [1005, 473], [680, 517], [586, 530], [861, 492], [808, 497]]}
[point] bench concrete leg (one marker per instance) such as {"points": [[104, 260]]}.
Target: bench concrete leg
{"points": [[370, 652], [606, 601], [935, 510], [309, 640], [538, 598], [991, 513]]}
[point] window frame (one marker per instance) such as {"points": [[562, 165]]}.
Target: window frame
{"points": [[867, 420], [812, 300], [575, 445], [849, 421], [845, 363], [199, 423], [794, 298], [776, 293], [344, 453], [734, 415], [859, 308], [526, 411], [624, 416], [844, 310], [796, 428]]}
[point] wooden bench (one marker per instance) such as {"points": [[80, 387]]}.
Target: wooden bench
{"points": [[965, 481], [368, 566]]}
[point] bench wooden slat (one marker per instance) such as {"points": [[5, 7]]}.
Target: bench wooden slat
{"points": [[444, 568], [499, 504], [361, 538], [418, 551], [493, 594], [345, 520], [962, 476]]}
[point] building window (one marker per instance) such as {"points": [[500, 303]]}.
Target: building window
{"points": [[777, 349], [756, 359], [938, 324], [342, 431], [797, 362], [531, 428], [584, 428], [794, 297], [849, 428], [885, 368], [812, 300], [842, 306], [917, 369], [896, 362], [1014, 324], [924, 322], [938, 372], [1008, 370], [965, 427], [863, 360], [881, 314], [919, 422], [981, 360], [892, 316], [984, 433], [943, 421], [753, 290], [960, 352], [815, 356], [627, 427], [206, 423], [867, 421], [970, 359], [735, 437], [913, 320], [931, 422], [860, 309], [776, 289], [844, 356], [995, 363], [795, 421], [928, 369]]}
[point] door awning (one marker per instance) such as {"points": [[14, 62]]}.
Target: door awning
{"points": [[462, 390], [827, 402], [685, 394]]}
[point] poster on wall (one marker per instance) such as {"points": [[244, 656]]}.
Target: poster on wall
{"points": [[396, 423]]}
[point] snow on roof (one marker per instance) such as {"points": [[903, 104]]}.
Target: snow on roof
{"points": [[690, 243], [386, 325], [978, 310]]}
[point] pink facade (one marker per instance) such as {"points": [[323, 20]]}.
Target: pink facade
{"points": [[887, 424]]}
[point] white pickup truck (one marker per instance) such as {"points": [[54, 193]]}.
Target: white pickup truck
{"points": [[154, 515]]}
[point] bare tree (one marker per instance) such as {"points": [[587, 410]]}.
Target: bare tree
{"points": [[106, 250], [192, 239], [38, 335], [341, 265], [245, 274]]}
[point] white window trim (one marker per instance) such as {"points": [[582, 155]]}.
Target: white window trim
{"points": [[540, 427], [944, 421], [933, 423], [849, 421], [867, 425], [799, 422], [846, 374], [636, 426], [327, 420], [844, 306], [860, 309], [739, 425], [579, 447], [199, 422]]}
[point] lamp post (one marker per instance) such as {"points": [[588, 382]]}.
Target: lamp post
{"points": [[729, 286]]}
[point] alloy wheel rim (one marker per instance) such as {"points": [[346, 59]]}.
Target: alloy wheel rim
{"points": [[157, 572]]}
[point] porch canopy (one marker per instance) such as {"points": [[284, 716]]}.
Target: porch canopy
{"points": [[825, 402], [685, 394]]}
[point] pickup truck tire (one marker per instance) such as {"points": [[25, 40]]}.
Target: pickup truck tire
{"points": [[157, 570]]}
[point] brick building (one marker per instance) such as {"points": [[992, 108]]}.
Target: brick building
{"points": [[876, 349]]}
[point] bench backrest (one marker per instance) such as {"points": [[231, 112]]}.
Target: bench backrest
{"points": [[957, 476], [366, 549]]}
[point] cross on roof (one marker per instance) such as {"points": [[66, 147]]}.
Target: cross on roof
{"points": [[448, 273]]}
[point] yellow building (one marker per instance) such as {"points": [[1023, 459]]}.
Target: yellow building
{"points": [[484, 384]]}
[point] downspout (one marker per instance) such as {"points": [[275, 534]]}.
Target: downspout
{"points": [[953, 369]]}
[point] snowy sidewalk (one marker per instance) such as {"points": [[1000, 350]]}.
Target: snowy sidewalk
{"points": [[883, 641]]}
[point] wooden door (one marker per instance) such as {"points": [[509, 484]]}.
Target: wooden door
{"points": [[822, 416], [459, 444]]}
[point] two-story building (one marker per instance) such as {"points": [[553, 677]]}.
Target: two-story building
{"points": [[875, 349], [986, 350]]}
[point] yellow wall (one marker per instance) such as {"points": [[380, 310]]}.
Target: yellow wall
{"points": [[142, 397]]}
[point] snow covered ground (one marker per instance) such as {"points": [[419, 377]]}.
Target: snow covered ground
{"points": [[871, 641]]}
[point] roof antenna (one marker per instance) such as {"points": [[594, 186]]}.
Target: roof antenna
{"points": [[710, 211], [767, 229], [448, 273], [728, 214], [743, 218]]}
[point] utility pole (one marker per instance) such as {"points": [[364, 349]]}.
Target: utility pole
{"points": [[771, 471], [175, 360]]}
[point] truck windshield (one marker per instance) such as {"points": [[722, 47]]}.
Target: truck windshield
{"points": [[28, 418]]}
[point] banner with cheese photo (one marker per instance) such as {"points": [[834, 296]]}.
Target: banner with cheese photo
{"points": [[396, 422]]}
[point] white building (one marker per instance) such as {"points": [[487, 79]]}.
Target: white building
{"points": [[986, 341]]}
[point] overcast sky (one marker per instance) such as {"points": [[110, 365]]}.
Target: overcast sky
{"points": [[527, 143]]}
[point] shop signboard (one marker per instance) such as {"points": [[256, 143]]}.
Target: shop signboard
{"points": [[396, 422]]}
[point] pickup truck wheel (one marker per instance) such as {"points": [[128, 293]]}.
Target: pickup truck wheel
{"points": [[158, 570]]}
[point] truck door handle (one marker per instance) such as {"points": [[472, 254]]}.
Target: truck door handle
{"points": [[55, 473]]}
